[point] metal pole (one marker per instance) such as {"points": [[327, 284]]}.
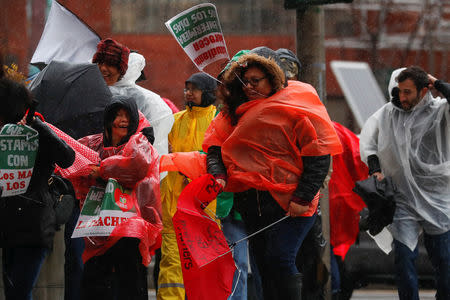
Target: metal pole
{"points": [[311, 53]]}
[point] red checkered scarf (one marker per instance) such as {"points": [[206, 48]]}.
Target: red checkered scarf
{"points": [[112, 53]]}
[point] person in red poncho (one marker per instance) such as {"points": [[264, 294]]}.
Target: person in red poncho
{"points": [[116, 265], [271, 146]]}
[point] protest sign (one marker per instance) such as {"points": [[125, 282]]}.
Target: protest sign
{"points": [[104, 209], [18, 149], [198, 32]]}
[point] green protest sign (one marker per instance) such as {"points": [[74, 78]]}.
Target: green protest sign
{"points": [[198, 32], [104, 209], [18, 149]]}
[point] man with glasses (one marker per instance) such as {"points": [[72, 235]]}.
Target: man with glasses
{"points": [[187, 135]]}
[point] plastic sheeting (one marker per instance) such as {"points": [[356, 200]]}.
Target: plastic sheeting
{"points": [[265, 148], [157, 112], [134, 165], [414, 149]]}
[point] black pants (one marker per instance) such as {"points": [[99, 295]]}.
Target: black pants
{"points": [[118, 274]]}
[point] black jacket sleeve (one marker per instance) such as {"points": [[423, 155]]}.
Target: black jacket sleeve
{"points": [[214, 163], [443, 88], [374, 164], [315, 169]]}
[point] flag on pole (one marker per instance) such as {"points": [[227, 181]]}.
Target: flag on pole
{"points": [[198, 32], [65, 38]]}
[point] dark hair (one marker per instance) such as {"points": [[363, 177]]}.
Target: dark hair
{"points": [[416, 74], [15, 99]]}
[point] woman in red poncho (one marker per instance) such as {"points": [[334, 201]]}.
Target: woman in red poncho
{"points": [[272, 147], [115, 266]]}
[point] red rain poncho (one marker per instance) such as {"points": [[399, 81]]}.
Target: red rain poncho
{"points": [[134, 165], [264, 150], [345, 205]]}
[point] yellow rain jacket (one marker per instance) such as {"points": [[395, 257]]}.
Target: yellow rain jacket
{"points": [[187, 135]]}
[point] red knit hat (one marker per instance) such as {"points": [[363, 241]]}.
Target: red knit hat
{"points": [[112, 53]]}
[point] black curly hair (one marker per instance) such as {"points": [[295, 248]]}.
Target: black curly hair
{"points": [[15, 99]]}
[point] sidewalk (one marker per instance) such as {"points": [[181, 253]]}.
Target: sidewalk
{"points": [[365, 294]]}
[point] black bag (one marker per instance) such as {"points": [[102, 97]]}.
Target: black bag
{"points": [[63, 193], [379, 196]]}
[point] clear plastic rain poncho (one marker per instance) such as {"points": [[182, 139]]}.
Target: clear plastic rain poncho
{"points": [[157, 112], [413, 148]]}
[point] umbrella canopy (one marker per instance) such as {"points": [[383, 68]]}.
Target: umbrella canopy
{"points": [[72, 97]]}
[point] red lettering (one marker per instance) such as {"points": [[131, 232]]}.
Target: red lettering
{"points": [[99, 222], [79, 225], [22, 174], [115, 221], [106, 221], [22, 184]]}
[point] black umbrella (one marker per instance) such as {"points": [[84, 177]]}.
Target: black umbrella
{"points": [[72, 97]]}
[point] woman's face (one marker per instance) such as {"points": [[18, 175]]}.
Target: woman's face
{"points": [[119, 128], [256, 84], [192, 94]]}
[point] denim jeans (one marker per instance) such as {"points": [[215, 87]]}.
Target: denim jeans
{"points": [[73, 263], [437, 247], [274, 249], [234, 230], [21, 267]]}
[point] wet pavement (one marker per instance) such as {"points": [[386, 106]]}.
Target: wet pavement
{"points": [[363, 294], [369, 294]]}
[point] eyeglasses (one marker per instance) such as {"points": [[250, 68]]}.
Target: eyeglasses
{"points": [[192, 90], [253, 81]]}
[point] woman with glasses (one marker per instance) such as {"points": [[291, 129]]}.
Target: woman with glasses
{"points": [[187, 135], [271, 145]]}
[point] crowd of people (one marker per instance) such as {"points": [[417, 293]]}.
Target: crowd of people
{"points": [[269, 143]]}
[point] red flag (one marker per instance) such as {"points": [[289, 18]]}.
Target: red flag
{"points": [[206, 260]]}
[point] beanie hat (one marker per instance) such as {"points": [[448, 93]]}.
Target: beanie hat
{"points": [[112, 53], [290, 62], [207, 85]]}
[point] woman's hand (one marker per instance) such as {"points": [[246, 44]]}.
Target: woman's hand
{"points": [[296, 210], [95, 172], [222, 182]]}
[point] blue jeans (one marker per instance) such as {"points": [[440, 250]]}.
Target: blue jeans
{"points": [[234, 230], [437, 247], [21, 267], [73, 263], [275, 248]]}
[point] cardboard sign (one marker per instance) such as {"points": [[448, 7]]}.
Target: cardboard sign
{"points": [[104, 209], [18, 149], [198, 32]]}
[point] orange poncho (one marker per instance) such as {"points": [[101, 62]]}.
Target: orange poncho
{"points": [[264, 150]]}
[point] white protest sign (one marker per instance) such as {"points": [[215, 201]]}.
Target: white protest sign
{"points": [[198, 32], [104, 209], [18, 149]]}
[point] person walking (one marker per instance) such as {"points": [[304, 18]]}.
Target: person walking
{"points": [[408, 140]]}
